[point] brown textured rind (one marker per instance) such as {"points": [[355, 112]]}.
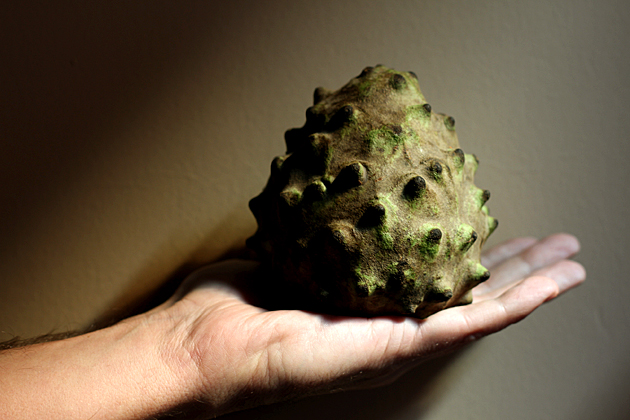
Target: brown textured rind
{"points": [[373, 209]]}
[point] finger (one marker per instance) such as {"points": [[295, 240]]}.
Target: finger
{"points": [[545, 252], [366, 348], [567, 274], [499, 253], [454, 327]]}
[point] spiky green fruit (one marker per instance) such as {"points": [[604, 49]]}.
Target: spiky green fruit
{"points": [[373, 209]]}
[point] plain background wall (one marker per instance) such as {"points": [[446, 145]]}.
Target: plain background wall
{"points": [[132, 135]]}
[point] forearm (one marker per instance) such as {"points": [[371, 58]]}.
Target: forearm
{"points": [[127, 371]]}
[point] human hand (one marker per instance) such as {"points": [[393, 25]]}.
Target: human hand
{"points": [[237, 355]]}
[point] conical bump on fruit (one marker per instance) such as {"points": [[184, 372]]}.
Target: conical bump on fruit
{"points": [[373, 209]]}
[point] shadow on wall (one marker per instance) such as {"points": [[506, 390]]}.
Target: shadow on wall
{"points": [[408, 398], [149, 288], [73, 76]]}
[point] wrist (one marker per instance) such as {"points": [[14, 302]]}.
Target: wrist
{"points": [[127, 371], [178, 365], [168, 380]]}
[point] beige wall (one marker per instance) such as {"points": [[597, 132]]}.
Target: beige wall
{"points": [[133, 134]]}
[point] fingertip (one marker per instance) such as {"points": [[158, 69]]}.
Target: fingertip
{"points": [[580, 271], [553, 289], [569, 243], [530, 293], [573, 274]]}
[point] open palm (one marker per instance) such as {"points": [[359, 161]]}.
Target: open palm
{"points": [[248, 356]]}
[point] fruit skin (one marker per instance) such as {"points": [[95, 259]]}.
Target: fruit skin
{"points": [[373, 210]]}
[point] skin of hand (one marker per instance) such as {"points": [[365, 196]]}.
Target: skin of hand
{"points": [[247, 356], [209, 351]]}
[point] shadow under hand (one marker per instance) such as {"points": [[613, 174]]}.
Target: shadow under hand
{"points": [[408, 398], [155, 295]]}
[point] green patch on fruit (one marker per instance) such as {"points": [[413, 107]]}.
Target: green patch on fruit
{"points": [[384, 238], [366, 282], [365, 88], [418, 114], [384, 139]]}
